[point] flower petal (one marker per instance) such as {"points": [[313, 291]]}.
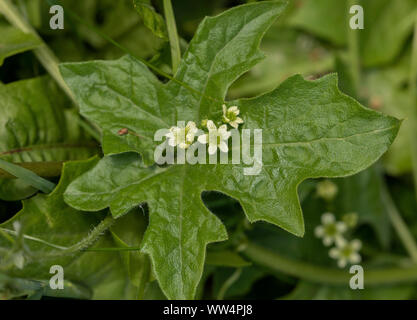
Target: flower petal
{"points": [[223, 147], [222, 129], [183, 145], [340, 242], [327, 241], [234, 124], [172, 142], [212, 149], [334, 253], [203, 139], [356, 244], [355, 258], [234, 109], [327, 218], [211, 125], [341, 226], [319, 231], [342, 263]]}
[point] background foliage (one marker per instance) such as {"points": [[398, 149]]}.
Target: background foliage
{"points": [[40, 124]]}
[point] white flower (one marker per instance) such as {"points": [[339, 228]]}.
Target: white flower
{"points": [[18, 260], [327, 190], [330, 230], [345, 252], [215, 138], [230, 116], [182, 137]]}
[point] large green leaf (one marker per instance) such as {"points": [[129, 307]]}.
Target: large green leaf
{"points": [[35, 127], [310, 129], [387, 24], [46, 221], [14, 41]]}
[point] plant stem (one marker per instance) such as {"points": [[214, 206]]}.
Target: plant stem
{"points": [[115, 249], [353, 46], [318, 274], [228, 283], [173, 35], [105, 224], [413, 106], [46, 57], [398, 223]]}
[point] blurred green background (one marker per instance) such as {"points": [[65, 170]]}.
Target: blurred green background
{"points": [[312, 38]]}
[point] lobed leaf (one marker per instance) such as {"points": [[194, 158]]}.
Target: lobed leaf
{"points": [[310, 130]]}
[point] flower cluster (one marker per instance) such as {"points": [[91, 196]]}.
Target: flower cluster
{"points": [[332, 232], [216, 138]]}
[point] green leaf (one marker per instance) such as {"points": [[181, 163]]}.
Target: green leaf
{"points": [[48, 223], [27, 176], [387, 24], [14, 41], [35, 127], [151, 19], [310, 130]]}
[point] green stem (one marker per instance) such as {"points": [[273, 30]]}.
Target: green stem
{"points": [[46, 57], [115, 249], [318, 274], [105, 224], [228, 283], [173, 35], [353, 51], [413, 106], [398, 223]]}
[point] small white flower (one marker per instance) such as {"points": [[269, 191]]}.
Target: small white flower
{"points": [[330, 229], [216, 138], [182, 137], [346, 252], [18, 260], [327, 190], [230, 116]]}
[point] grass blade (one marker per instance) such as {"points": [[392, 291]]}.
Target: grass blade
{"points": [[28, 176]]}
